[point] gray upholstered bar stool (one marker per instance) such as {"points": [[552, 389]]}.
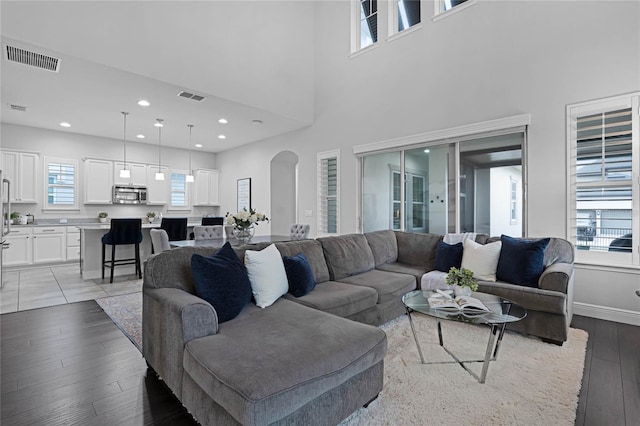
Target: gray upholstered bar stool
{"points": [[122, 232]]}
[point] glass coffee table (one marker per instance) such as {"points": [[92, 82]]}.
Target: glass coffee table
{"points": [[501, 312]]}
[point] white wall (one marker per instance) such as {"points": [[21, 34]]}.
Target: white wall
{"points": [[491, 60], [49, 143]]}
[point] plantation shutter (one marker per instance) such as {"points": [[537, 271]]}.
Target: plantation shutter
{"points": [[328, 195]]}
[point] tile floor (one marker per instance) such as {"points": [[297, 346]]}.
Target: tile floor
{"points": [[56, 285]]}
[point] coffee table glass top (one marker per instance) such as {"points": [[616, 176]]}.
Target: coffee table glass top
{"points": [[501, 310]]}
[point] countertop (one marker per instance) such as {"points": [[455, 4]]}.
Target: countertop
{"points": [[102, 226]]}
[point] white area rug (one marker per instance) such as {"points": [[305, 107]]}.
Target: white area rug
{"points": [[531, 382]]}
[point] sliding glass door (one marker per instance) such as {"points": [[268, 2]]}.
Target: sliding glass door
{"points": [[471, 185]]}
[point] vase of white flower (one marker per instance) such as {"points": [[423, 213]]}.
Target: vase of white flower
{"points": [[244, 223]]}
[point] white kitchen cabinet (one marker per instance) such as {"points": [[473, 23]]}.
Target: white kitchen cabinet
{"points": [[98, 181], [138, 174], [206, 187], [20, 250], [73, 244], [21, 168], [49, 244], [157, 190]]}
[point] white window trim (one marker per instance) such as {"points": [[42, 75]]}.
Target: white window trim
{"points": [[45, 204], [319, 157], [439, 12], [611, 259], [356, 49], [187, 207], [392, 14]]}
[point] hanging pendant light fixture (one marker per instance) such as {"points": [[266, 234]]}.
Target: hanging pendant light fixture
{"points": [[158, 124], [125, 173], [189, 176]]}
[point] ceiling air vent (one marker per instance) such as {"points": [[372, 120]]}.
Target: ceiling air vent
{"points": [[18, 107], [185, 94], [34, 59]]}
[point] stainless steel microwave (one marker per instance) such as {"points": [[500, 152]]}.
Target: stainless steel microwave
{"points": [[129, 194]]}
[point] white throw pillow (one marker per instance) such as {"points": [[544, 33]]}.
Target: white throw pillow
{"points": [[266, 274], [482, 259]]}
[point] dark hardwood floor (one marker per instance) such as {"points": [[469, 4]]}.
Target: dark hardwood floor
{"points": [[70, 365]]}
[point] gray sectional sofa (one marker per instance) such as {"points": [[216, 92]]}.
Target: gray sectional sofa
{"points": [[317, 358]]}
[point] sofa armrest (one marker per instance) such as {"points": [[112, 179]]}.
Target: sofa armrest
{"points": [[170, 318], [556, 277]]}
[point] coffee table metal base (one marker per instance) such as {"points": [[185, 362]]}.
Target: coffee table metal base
{"points": [[495, 337]]}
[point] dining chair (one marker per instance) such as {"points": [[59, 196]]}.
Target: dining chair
{"points": [[207, 232], [299, 231], [159, 240]]}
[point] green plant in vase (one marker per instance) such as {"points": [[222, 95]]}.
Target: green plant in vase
{"points": [[151, 216], [462, 281]]}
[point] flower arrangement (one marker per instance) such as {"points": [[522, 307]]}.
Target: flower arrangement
{"points": [[245, 219], [462, 277]]}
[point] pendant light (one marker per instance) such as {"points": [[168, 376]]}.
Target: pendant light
{"points": [[189, 176], [125, 173], [159, 175]]}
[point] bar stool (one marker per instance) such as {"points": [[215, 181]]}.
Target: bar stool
{"points": [[122, 232], [176, 228], [208, 221]]}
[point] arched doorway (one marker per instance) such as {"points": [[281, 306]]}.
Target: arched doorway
{"points": [[284, 192]]}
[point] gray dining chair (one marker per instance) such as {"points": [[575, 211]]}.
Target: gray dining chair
{"points": [[208, 232], [299, 231], [159, 240]]}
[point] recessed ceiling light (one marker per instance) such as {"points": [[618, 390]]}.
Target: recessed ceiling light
{"points": [[223, 121], [426, 151], [198, 145], [143, 102], [256, 122], [222, 137], [65, 124], [140, 136]]}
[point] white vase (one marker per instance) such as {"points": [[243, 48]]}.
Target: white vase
{"points": [[103, 219], [461, 291]]}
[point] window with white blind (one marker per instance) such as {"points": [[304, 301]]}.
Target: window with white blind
{"points": [[328, 192], [447, 7], [364, 24], [179, 198], [61, 186], [604, 180]]}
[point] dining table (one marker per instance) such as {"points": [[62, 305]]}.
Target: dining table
{"points": [[219, 242]]}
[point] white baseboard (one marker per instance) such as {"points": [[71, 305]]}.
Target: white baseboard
{"points": [[605, 313]]}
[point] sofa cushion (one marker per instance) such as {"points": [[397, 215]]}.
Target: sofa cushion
{"points": [[448, 256], [312, 249], [403, 268], [338, 298], [270, 362], [388, 285], [266, 274], [417, 249], [347, 255], [222, 281], [384, 246], [481, 259], [299, 274], [521, 261]]}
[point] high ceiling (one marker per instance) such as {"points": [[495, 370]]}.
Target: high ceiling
{"points": [[237, 55]]}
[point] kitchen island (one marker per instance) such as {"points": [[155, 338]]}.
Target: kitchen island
{"points": [[91, 249]]}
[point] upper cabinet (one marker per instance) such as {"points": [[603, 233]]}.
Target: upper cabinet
{"points": [[21, 169], [157, 190], [138, 173], [98, 180], [206, 187]]}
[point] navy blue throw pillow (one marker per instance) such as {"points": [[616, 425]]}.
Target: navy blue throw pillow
{"points": [[448, 256], [521, 261], [222, 281], [299, 274]]}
